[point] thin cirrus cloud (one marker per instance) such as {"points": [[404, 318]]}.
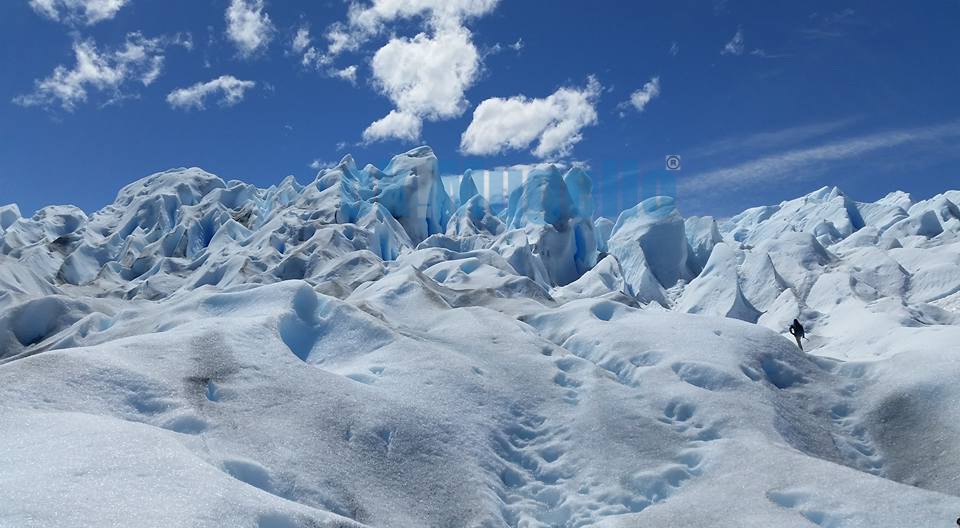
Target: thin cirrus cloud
{"points": [[248, 26], [554, 122], [227, 89], [781, 166], [770, 140], [110, 72], [87, 12]]}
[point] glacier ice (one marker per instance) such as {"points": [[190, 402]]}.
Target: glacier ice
{"points": [[366, 349]]}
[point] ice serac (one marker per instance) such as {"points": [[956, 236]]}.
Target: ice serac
{"points": [[580, 186], [9, 214], [702, 235], [716, 291], [411, 190], [474, 217], [826, 213], [558, 232], [652, 235], [602, 227], [467, 188], [759, 280], [604, 280]]}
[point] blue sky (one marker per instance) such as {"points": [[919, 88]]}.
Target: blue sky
{"points": [[764, 101]]}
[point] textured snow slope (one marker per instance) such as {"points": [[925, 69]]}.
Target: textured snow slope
{"points": [[365, 350]]}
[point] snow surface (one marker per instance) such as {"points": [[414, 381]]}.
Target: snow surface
{"points": [[367, 350]]}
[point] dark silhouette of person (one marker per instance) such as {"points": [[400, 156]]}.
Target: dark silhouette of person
{"points": [[796, 330]]}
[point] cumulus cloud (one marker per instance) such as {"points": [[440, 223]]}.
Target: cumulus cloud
{"points": [[640, 98], [229, 89], [248, 26], [735, 46], [139, 60], [88, 12], [554, 122], [395, 125], [425, 76], [365, 21]]}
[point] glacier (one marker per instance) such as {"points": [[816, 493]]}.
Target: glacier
{"points": [[371, 350]]}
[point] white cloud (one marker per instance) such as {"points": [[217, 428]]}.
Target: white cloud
{"points": [[793, 163], [554, 122], [312, 58], [674, 49], [735, 46], [427, 76], [301, 40], [395, 125], [88, 12], [348, 74], [231, 90], [364, 22], [518, 45], [640, 98], [248, 26], [140, 59], [318, 164]]}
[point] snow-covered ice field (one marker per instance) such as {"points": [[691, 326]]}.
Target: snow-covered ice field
{"points": [[366, 350]]}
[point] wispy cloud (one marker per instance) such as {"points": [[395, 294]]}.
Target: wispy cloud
{"points": [[640, 98], [831, 25], [778, 167], [318, 164], [139, 60], [248, 26], [768, 140], [348, 74], [230, 89], [88, 12], [735, 46]]}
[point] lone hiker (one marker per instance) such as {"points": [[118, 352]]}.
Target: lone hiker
{"points": [[796, 330]]}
